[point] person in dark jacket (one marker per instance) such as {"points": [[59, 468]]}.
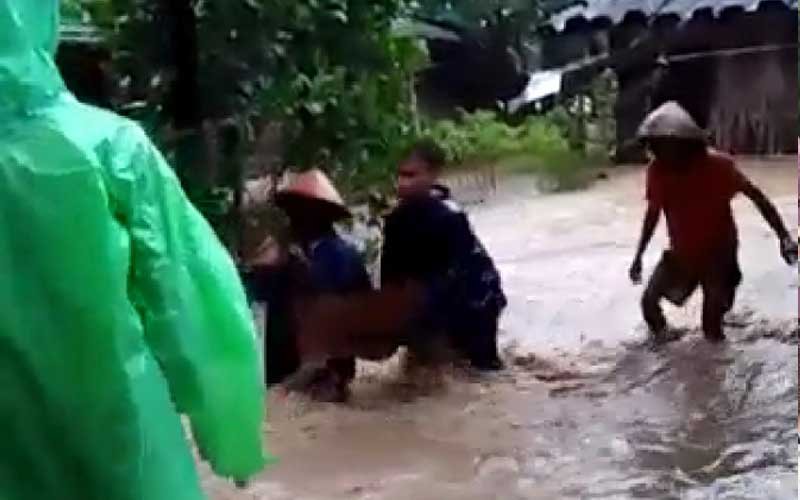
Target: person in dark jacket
{"points": [[428, 239], [317, 262]]}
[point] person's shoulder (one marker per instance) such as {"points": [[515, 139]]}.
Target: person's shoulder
{"points": [[338, 259], [116, 145], [719, 156], [451, 206], [423, 208], [724, 165], [93, 126], [720, 159], [654, 168], [335, 245], [445, 203], [105, 121]]}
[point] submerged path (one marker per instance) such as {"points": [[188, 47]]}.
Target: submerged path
{"points": [[586, 410]]}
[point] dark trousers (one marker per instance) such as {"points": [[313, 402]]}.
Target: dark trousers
{"points": [[475, 336], [344, 369], [676, 282], [471, 335]]}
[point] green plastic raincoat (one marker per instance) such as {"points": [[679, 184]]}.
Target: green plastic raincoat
{"points": [[119, 308]]}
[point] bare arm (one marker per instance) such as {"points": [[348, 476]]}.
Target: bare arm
{"points": [[651, 218], [767, 209], [649, 226], [193, 308], [787, 244]]}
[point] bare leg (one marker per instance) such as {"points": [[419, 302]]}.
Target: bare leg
{"points": [[651, 302], [719, 294], [343, 371], [714, 309]]}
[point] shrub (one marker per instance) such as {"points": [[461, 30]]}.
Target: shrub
{"points": [[538, 145]]}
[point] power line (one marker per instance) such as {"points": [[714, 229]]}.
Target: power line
{"points": [[610, 59], [732, 52]]}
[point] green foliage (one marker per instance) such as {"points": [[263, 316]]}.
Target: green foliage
{"points": [[344, 96], [560, 167], [329, 71], [71, 9], [588, 117], [538, 145], [478, 137], [605, 93]]}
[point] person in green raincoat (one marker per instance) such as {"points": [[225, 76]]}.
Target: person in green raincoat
{"points": [[119, 308]]}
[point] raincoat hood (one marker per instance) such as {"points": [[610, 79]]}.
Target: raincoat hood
{"points": [[28, 42]]}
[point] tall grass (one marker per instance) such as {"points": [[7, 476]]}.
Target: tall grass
{"points": [[537, 146]]}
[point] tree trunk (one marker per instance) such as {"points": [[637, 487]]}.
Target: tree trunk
{"points": [[181, 24], [183, 103]]}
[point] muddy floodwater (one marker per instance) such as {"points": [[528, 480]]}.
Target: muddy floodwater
{"points": [[587, 409]]}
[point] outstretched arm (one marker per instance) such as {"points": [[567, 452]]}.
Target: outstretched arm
{"points": [[649, 226], [773, 218], [767, 209]]}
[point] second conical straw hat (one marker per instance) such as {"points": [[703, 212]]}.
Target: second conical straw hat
{"points": [[315, 187]]}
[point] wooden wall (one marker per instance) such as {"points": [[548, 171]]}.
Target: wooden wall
{"points": [[748, 102]]}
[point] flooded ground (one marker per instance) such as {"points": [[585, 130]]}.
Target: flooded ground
{"points": [[587, 410]]}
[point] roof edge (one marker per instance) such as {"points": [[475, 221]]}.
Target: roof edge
{"points": [[576, 14]]}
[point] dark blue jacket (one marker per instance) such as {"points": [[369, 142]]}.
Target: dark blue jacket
{"points": [[430, 240], [336, 266], [328, 265]]}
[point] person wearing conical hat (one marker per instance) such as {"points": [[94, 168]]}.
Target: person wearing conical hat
{"points": [[313, 194], [693, 186], [318, 261]]}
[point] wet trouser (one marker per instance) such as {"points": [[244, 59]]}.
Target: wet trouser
{"points": [[343, 369], [475, 337], [445, 324], [471, 334], [331, 382], [676, 282]]}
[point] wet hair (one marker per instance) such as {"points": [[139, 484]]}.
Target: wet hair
{"points": [[428, 152]]}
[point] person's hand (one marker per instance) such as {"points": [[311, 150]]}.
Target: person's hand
{"points": [[635, 272], [789, 250], [270, 253]]}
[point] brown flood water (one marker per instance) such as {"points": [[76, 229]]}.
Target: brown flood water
{"points": [[586, 410]]}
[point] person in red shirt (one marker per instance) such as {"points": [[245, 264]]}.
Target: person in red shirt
{"points": [[693, 186]]}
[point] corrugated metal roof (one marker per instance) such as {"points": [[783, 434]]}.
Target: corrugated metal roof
{"points": [[615, 10]]}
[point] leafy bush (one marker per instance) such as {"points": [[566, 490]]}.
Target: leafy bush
{"points": [[331, 72], [560, 167], [537, 145]]}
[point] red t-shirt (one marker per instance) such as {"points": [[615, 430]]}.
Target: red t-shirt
{"points": [[697, 204]]}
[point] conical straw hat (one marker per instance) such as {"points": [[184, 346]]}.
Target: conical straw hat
{"points": [[670, 120], [313, 188]]}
